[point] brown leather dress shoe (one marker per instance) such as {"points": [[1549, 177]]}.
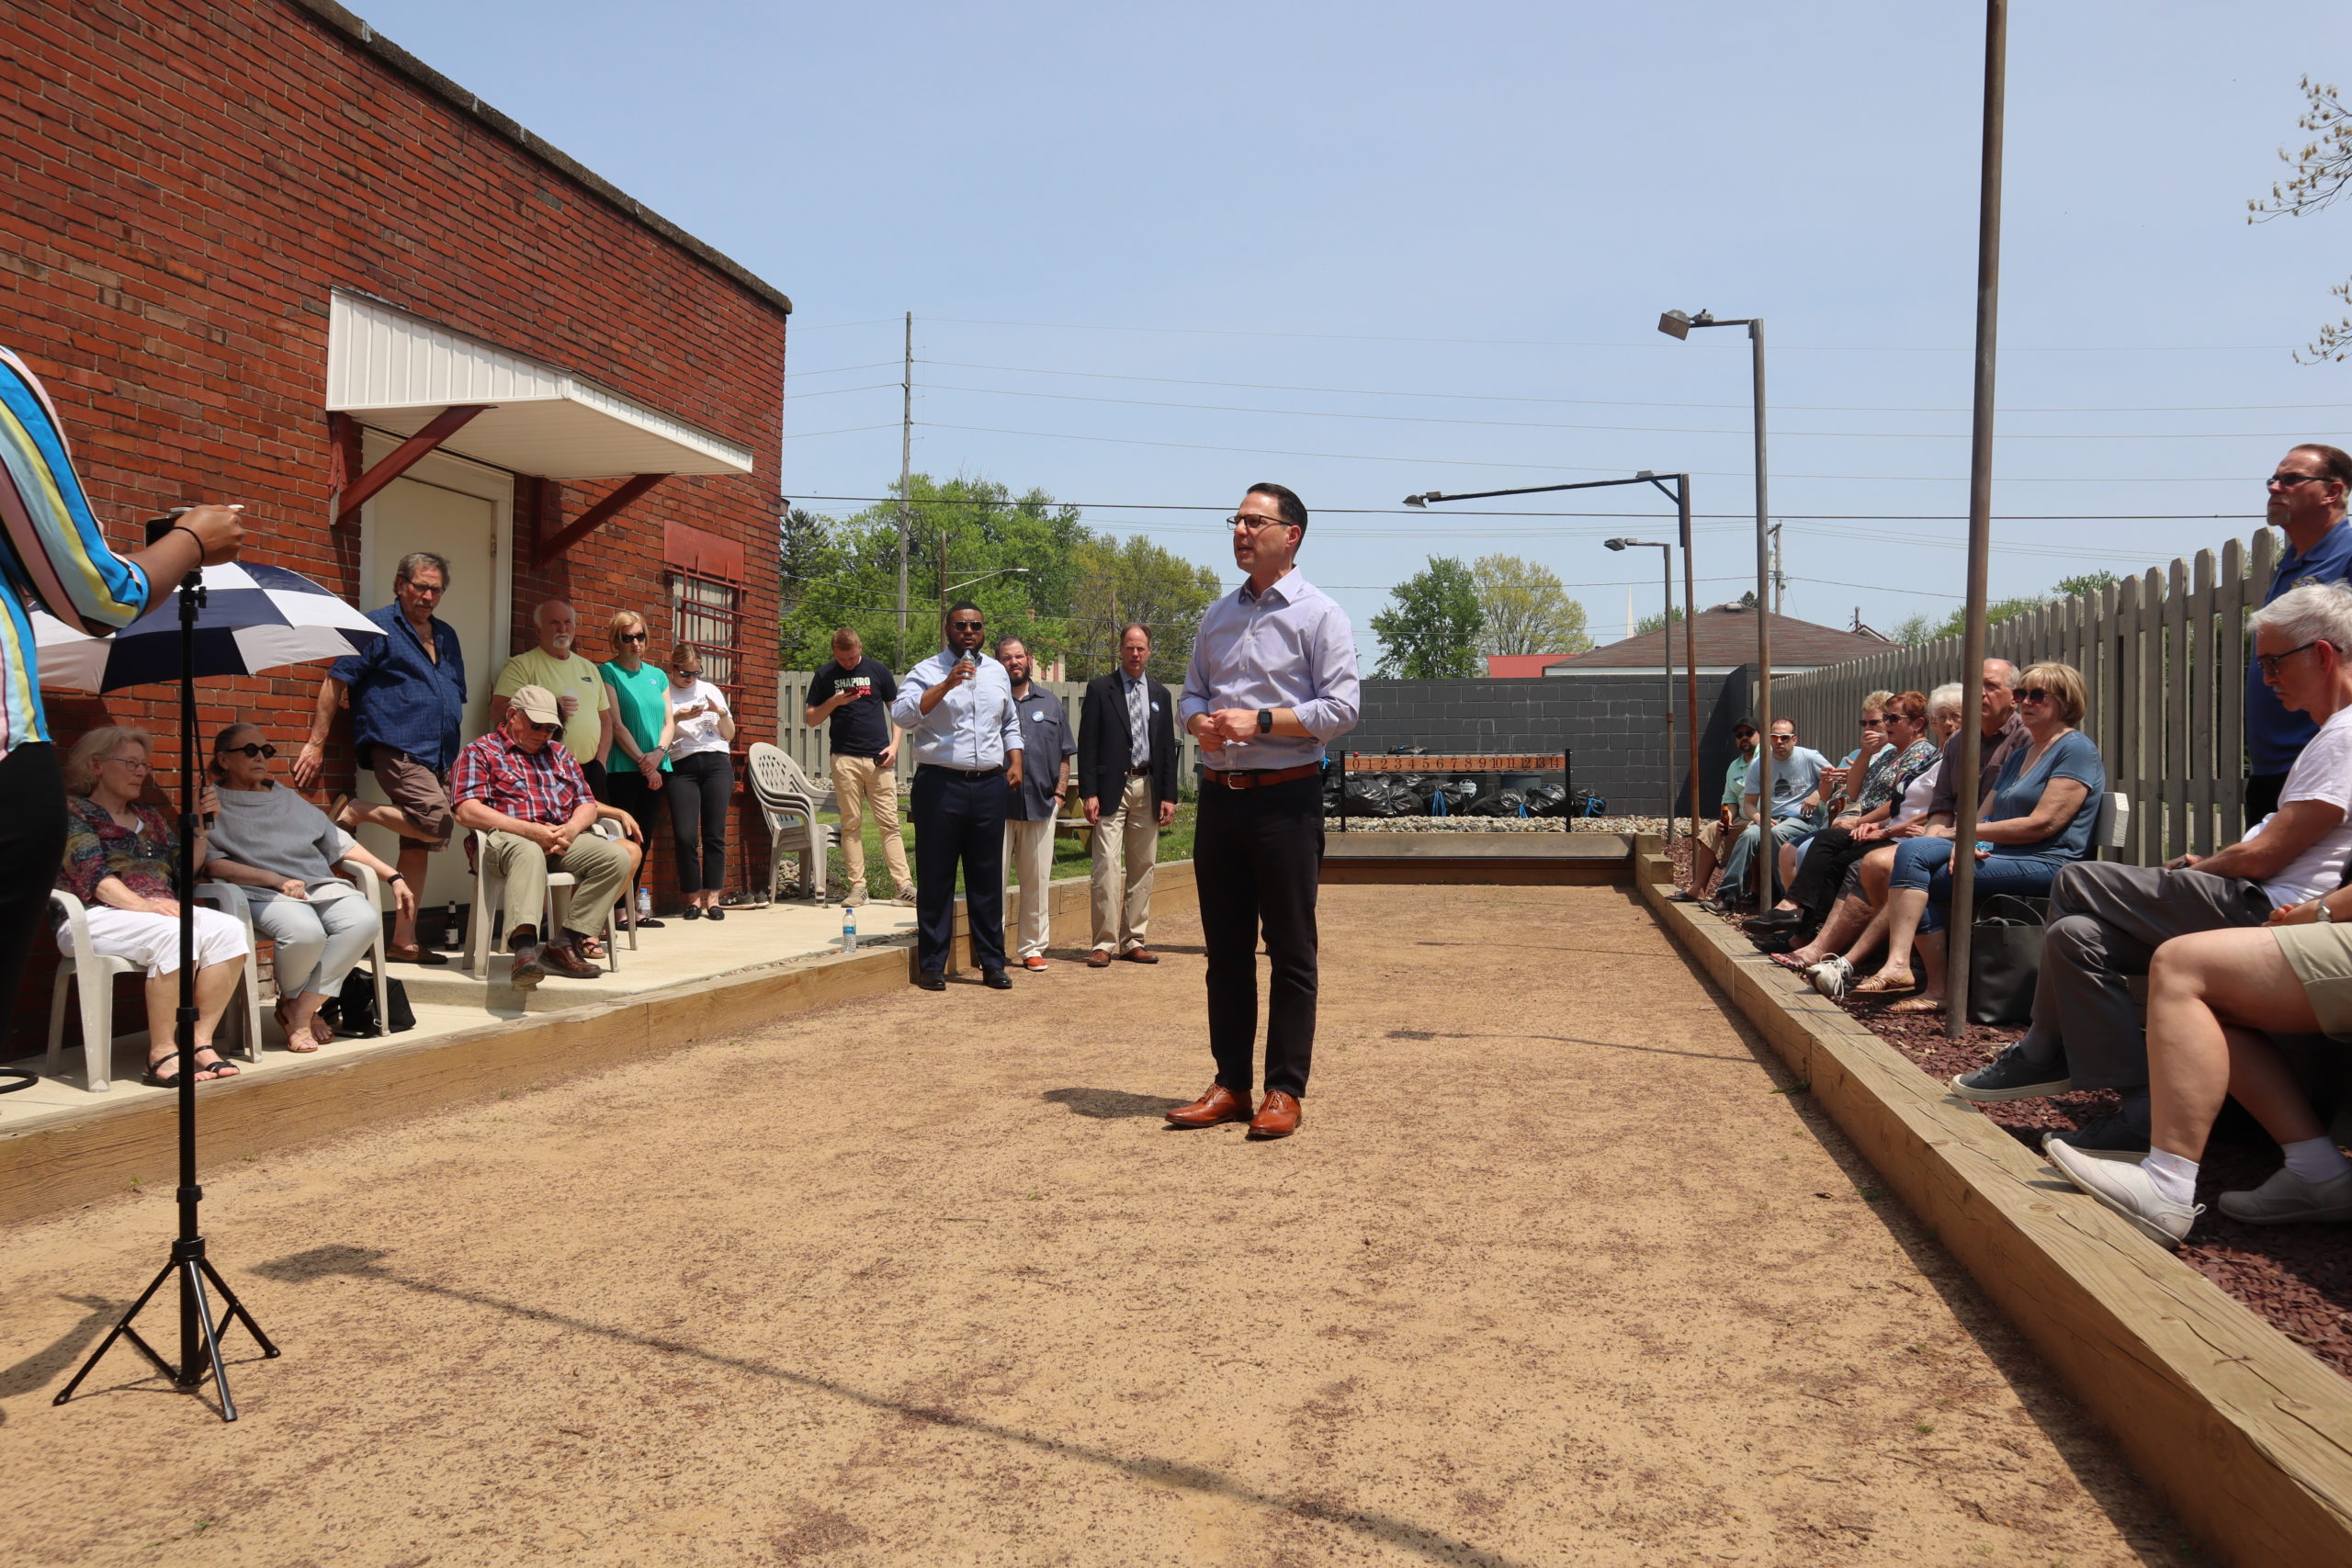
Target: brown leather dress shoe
{"points": [[1140, 956], [566, 962], [1277, 1118], [1098, 959], [1220, 1104]]}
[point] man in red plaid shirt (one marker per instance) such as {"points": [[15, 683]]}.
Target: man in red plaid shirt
{"points": [[531, 803]]}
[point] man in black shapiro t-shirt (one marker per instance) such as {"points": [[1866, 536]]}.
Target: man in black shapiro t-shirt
{"points": [[853, 695]]}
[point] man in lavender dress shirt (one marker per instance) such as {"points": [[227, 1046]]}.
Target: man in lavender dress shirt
{"points": [[1272, 677]]}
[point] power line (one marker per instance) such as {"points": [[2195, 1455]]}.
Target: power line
{"points": [[1470, 511], [1631, 429], [1648, 343], [840, 369], [1550, 468], [1614, 402]]}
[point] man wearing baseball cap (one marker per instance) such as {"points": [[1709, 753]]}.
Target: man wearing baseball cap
{"points": [[532, 805]]}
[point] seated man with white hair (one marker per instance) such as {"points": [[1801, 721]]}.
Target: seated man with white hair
{"points": [[2106, 920]]}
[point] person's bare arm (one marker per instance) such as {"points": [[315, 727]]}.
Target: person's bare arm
{"points": [[481, 817], [309, 760], [2061, 798], [2297, 827]]}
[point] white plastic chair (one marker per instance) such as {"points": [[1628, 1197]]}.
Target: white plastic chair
{"points": [[92, 973], [787, 800], [488, 884], [2114, 824]]}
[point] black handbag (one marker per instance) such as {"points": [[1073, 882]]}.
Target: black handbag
{"points": [[2005, 959], [353, 1013]]}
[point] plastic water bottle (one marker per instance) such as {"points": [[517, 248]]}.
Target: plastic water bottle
{"points": [[645, 903], [849, 929], [449, 927]]}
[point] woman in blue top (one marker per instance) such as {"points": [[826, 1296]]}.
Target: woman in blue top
{"points": [[2038, 816]]}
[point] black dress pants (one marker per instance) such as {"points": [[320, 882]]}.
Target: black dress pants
{"points": [[959, 820], [32, 846], [1827, 857], [1258, 857], [700, 787]]}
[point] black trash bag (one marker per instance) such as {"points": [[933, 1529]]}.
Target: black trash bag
{"points": [[1376, 795], [1584, 803], [1331, 792], [1423, 789], [1547, 800], [1458, 796], [1502, 803]]}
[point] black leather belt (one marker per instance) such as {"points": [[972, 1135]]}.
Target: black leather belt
{"points": [[1139, 772], [1244, 778], [960, 772]]}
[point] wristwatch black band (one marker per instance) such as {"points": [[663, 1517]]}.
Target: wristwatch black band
{"points": [[1265, 721], [396, 876]]}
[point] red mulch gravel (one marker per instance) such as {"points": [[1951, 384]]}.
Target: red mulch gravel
{"points": [[2298, 1278]]}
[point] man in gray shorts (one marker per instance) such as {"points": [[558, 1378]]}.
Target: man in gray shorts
{"points": [[407, 696]]}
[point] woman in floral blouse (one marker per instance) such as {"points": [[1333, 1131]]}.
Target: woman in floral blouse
{"points": [[122, 860]]}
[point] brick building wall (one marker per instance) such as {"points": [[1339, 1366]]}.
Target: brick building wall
{"points": [[190, 179]]}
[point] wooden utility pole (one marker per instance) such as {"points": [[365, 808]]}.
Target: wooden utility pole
{"points": [[906, 473]]}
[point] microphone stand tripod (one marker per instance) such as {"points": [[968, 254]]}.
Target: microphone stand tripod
{"points": [[199, 1331]]}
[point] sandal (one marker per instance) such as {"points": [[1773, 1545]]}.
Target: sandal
{"points": [[1919, 1004], [395, 953], [219, 1067], [1882, 985], [302, 1041], [153, 1077]]}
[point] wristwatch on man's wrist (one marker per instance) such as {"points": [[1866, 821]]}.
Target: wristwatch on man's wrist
{"points": [[1265, 721], [2322, 913]]}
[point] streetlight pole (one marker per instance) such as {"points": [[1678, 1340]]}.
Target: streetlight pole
{"points": [[1680, 494], [1677, 325], [1666, 635]]}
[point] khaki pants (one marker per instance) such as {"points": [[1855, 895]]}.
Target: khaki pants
{"points": [[1126, 847], [600, 865], [1029, 865], [859, 782]]}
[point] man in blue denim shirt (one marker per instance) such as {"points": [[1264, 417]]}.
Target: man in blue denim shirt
{"points": [[407, 696], [2307, 496]]}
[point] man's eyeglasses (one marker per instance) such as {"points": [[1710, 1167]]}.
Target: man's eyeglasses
{"points": [[2269, 662], [1243, 520], [555, 729], [433, 590], [252, 749], [1784, 741], [964, 625], [2288, 481]]}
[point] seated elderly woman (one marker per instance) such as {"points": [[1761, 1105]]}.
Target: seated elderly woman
{"points": [[122, 860], [1899, 720], [2038, 816], [2214, 997], [283, 851], [1857, 919]]}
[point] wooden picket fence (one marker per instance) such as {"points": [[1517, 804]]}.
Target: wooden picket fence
{"points": [[2164, 657]]}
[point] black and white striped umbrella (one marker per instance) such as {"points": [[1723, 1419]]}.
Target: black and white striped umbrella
{"points": [[255, 618]]}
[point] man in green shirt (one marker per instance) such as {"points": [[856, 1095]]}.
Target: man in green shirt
{"points": [[1715, 838], [583, 698]]}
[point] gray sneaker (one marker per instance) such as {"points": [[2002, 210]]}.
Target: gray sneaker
{"points": [[2129, 1190], [2287, 1200], [904, 896], [854, 900], [2011, 1076]]}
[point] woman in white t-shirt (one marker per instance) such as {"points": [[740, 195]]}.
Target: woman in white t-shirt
{"points": [[702, 782]]}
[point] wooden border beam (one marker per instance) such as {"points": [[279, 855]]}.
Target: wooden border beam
{"points": [[598, 516], [442, 427]]}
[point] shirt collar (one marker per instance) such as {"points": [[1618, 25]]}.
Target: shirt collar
{"points": [[2296, 559], [1289, 589]]}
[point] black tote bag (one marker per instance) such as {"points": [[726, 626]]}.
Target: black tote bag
{"points": [[2005, 959]]}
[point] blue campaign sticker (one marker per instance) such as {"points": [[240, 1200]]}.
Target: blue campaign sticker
{"points": [[1036, 716], [1155, 704]]}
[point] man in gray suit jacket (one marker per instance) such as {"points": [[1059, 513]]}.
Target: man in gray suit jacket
{"points": [[1127, 769]]}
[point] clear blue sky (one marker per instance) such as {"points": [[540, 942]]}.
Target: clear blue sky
{"points": [[1465, 222]]}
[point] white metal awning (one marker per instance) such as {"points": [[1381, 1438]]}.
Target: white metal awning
{"points": [[395, 372]]}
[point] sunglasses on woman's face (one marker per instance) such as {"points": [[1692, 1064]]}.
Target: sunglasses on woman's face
{"points": [[252, 749], [632, 637], [2036, 694]]}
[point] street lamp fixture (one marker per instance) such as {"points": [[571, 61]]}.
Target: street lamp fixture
{"points": [[1678, 324], [1680, 493]]}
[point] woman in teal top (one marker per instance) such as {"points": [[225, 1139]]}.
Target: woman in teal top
{"points": [[636, 766], [2038, 816]]}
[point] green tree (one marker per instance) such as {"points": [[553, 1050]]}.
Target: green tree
{"points": [[1658, 618], [1524, 609], [1432, 625], [2087, 583], [1916, 629], [964, 539], [2323, 171], [1135, 580]]}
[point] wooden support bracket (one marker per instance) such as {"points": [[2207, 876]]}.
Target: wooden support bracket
{"points": [[598, 516], [442, 427]]}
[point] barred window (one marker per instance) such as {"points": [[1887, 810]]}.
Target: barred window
{"points": [[708, 613]]}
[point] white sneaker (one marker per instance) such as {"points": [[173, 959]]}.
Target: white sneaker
{"points": [[854, 900], [2287, 1200], [2129, 1190], [1831, 975]]}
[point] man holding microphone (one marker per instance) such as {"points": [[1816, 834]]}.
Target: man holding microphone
{"points": [[957, 713], [1272, 678]]}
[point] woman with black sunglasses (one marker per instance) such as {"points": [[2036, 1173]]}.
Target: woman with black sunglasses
{"points": [[637, 766], [283, 851]]}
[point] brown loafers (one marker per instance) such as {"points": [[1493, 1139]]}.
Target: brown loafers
{"points": [[1098, 959], [1140, 956], [566, 962], [1219, 1105], [1277, 1118]]}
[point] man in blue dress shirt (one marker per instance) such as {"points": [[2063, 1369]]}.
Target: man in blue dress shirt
{"points": [[1272, 678], [2307, 495], [407, 694], [958, 712]]}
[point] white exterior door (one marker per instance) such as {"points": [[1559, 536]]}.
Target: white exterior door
{"points": [[463, 512]]}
